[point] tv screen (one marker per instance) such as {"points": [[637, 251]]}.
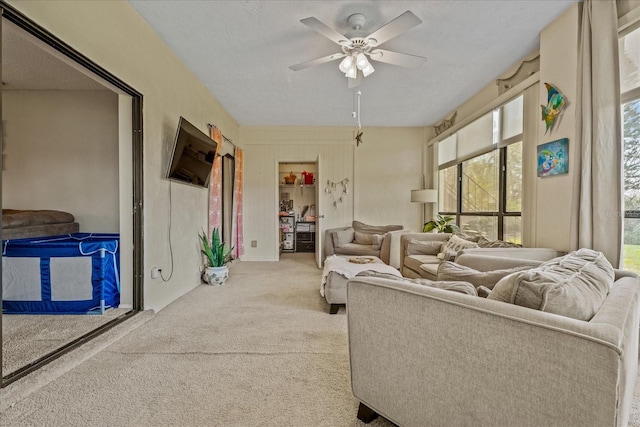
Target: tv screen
{"points": [[192, 155]]}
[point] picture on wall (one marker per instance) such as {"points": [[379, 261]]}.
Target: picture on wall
{"points": [[553, 158]]}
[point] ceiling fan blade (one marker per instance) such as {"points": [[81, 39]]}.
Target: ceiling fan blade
{"points": [[397, 58], [394, 28], [317, 61], [328, 32]]}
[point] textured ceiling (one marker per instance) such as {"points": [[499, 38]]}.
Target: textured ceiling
{"points": [[27, 65], [241, 51]]}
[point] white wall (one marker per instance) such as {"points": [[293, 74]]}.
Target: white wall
{"points": [[547, 201], [381, 171], [558, 66], [113, 35], [388, 165], [61, 152]]}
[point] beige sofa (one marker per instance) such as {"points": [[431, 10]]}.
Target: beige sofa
{"points": [[417, 261], [382, 241], [424, 356]]}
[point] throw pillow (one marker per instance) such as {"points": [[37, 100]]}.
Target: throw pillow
{"points": [[574, 285], [454, 245], [451, 271], [368, 238], [418, 247], [378, 238], [483, 242], [469, 237], [342, 237]]}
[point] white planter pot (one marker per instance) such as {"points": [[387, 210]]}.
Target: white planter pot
{"points": [[215, 275]]}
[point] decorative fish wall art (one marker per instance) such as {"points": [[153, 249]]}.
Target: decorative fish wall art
{"points": [[555, 103]]}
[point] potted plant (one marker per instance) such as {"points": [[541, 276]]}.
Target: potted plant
{"points": [[444, 224], [218, 255]]}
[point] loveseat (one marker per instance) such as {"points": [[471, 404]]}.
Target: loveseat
{"points": [[360, 239], [422, 253], [422, 355]]}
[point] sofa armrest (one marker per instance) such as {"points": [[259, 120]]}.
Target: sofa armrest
{"points": [[329, 249], [426, 356], [390, 248]]}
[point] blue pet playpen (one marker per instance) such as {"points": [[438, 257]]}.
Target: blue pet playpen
{"points": [[72, 274]]}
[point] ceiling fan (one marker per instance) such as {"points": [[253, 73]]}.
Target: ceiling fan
{"points": [[358, 47]]}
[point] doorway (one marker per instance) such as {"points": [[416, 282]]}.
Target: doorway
{"points": [[297, 207], [83, 83]]}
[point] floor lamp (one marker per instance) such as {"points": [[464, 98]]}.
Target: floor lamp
{"points": [[423, 196]]}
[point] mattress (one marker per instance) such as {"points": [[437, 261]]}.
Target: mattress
{"points": [[20, 224]]}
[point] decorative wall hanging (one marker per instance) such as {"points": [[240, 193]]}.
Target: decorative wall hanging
{"points": [[553, 158], [526, 69], [555, 103], [445, 124], [341, 187]]}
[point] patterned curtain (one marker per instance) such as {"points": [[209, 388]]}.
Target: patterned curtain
{"points": [[215, 185], [236, 225]]}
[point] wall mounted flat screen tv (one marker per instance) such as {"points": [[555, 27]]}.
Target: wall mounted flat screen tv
{"points": [[192, 155]]}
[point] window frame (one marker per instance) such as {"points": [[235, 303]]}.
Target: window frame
{"points": [[501, 146], [626, 27]]}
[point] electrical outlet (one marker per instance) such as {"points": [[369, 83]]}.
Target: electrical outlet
{"points": [[155, 272], [254, 243]]}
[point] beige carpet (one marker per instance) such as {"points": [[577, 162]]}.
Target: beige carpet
{"points": [[259, 351], [26, 338]]}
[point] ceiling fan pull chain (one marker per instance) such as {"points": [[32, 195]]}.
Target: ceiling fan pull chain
{"points": [[359, 124]]}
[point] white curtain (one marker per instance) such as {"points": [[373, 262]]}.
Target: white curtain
{"points": [[597, 204]]}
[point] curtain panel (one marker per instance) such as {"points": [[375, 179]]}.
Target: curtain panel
{"points": [[236, 219], [597, 202], [215, 185]]}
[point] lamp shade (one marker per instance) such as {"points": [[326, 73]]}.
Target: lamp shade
{"points": [[424, 196]]}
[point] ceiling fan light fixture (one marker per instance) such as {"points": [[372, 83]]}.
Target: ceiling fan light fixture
{"points": [[368, 70], [346, 64], [352, 72], [361, 61]]}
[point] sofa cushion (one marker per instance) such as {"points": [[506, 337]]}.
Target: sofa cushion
{"points": [[368, 238], [342, 237], [422, 247], [574, 285], [415, 261], [357, 249], [452, 271], [454, 286], [452, 246], [374, 229], [429, 271]]}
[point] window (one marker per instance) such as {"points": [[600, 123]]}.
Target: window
{"points": [[629, 49], [480, 176]]}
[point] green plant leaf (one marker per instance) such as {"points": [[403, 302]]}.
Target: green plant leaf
{"points": [[217, 253], [429, 226]]}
